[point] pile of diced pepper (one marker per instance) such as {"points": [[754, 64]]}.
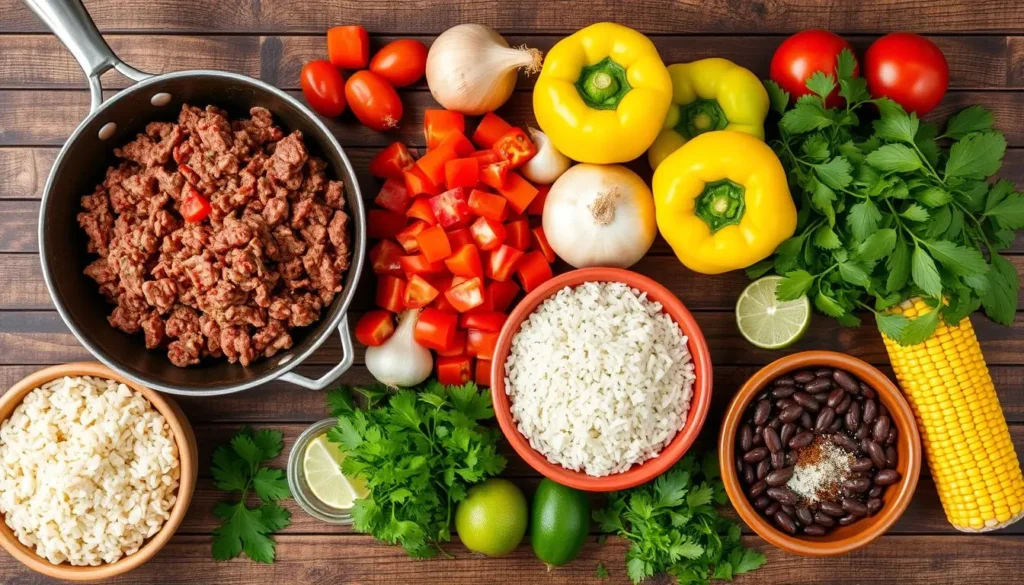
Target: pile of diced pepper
{"points": [[455, 232]]}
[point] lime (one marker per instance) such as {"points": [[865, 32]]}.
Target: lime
{"points": [[768, 322], [492, 518], [321, 464]]}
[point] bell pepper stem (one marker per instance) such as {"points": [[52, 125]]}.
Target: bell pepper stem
{"points": [[603, 84], [721, 204], [700, 116]]}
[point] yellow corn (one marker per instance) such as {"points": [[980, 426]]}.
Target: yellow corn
{"points": [[966, 440]]}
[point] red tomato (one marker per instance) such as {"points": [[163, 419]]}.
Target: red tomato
{"points": [[495, 175], [487, 233], [436, 328], [515, 147], [482, 374], [455, 370], [348, 47], [466, 295], [490, 129], [492, 321], [452, 208], [461, 172], [373, 101], [418, 264], [434, 244], [518, 234], [501, 294], [440, 124], [392, 162], [541, 242], [375, 327], [519, 192], [458, 346], [417, 183], [481, 344], [420, 209], [488, 205], [391, 293], [801, 55], [381, 223], [324, 88], [908, 69], [407, 237], [419, 293], [195, 207], [533, 270], [503, 262], [401, 62], [384, 257], [394, 196], [465, 262]]}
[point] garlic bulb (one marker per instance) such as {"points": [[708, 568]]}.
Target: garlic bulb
{"points": [[548, 164], [401, 362]]}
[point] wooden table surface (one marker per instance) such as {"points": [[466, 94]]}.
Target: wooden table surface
{"points": [[43, 97]]}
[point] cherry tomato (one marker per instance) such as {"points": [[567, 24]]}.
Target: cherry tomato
{"points": [[324, 88], [373, 101], [401, 62], [348, 47], [799, 56], [375, 327], [908, 69]]}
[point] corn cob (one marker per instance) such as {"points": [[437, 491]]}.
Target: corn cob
{"points": [[966, 440]]}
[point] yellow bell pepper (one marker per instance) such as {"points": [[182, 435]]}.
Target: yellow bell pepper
{"points": [[603, 94], [710, 94], [722, 202]]}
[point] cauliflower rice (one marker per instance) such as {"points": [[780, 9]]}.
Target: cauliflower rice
{"points": [[599, 378], [88, 471]]}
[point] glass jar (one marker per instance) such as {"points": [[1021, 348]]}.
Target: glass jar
{"points": [[297, 478]]}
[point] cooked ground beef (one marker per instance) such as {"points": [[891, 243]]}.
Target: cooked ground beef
{"points": [[268, 258]]}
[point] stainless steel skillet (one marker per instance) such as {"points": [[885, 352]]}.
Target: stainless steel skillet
{"points": [[81, 165]]}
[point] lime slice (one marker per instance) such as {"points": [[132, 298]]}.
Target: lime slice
{"points": [[321, 464], [767, 322]]}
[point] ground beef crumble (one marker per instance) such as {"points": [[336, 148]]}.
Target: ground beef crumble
{"points": [[268, 258]]}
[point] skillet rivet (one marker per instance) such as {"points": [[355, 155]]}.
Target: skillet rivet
{"points": [[107, 131], [161, 99]]}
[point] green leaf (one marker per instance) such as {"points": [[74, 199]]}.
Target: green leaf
{"points": [[274, 517], [828, 305], [894, 158], [815, 147], [751, 560], [1000, 300], [794, 285], [877, 246], [823, 200], [919, 328], [270, 485], [934, 197], [821, 84], [854, 274], [699, 496], [927, 144], [230, 472], [846, 64], [897, 127], [976, 156], [270, 442], [245, 447], [825, 238], [345, 434], [835, 173], [601, 572], [924, 273], [891, 324], [915, 212], [863, 219], [1008, 213], [759, 269], [968, 120], [854, 90], [899, 267], [403, 410], [805, 117], [340, 402], [777, 97], [998, 193], [957, 259]]}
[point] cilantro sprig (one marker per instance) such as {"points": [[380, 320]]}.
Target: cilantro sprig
{"points": [[419, 452], [237, 467], [675, 528], [893, 209]]}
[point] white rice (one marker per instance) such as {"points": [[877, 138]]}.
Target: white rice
{"points": [[88, 471], [599, 378]]}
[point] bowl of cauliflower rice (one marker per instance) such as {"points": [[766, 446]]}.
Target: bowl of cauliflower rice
{"points": [[96, 472]]}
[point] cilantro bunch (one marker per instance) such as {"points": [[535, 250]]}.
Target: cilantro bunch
{"points": [[893, 209], [238, 468], [419, 451], [675, 528]]}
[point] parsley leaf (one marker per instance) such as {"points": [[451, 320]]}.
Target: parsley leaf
{"points": [[821, 84], [601, 572], [976, 156], [897, 126], [795, 285], [807, 116], [835, 173], [778, 97], [968, 120], [1000, 300], [924, 272], [894, 157]]}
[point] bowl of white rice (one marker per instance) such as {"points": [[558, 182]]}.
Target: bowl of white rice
{"points": [[601, 379], [96, 472]]}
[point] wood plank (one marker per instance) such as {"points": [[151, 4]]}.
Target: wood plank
{"points": [[30, 118], [434, 16], [40, 61]]}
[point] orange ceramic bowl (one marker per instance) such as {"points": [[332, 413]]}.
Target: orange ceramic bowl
{"points": [[699, 402], [183, 437], [896, 498]]}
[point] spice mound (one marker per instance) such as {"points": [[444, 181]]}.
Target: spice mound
{"points": [[600, 378], [88, 471], [820, 470], [216, 237]]}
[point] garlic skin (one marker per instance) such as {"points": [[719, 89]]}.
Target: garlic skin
{"points": [[400, 362], [548, 164], [472, 69]]}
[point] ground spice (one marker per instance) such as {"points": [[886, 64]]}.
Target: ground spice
{"points": [[820, 470]]}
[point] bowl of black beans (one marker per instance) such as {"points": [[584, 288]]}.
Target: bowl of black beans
{"points": [[819, 453]]}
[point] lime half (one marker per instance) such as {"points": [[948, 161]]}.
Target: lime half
{"points": [[768, 322], [321, 464]]}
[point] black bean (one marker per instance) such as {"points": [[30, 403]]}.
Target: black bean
{"points": [[824, 371], [855, 507], [791, 414], [847, 520], [845, 442], [860, 435], [783, 495], [890, 438], [825, 519], [783, 391], [825, 419], [746, 438], [749, 476], [836, 396], [762, 395], [874, 505], [864, 464], [772, 440], [880, 429], [875, 491], [778, 459], [762, 469], [789, 510], [784, 381], [801, 440], [807, 401], [785, 522], [857, 485], [739, 464], [762, 502], [887, 477], [882, 410], [867, 391], [803, 377], [815, 530], [791, 458], [846, 381], [831, 508], [819, 385], [757, 489], [756, 454], [853, 417], [804, 515], [787, 432], [774, 423], [890, 457], [784, 403], [835, 427], [772, 509], [806, 421], [874, 450], [779, 476], [870, 412], [761, 412], [844, 404]]}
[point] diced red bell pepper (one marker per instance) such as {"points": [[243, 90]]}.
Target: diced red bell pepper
{"points": [[459, 238], [440, 124], [458, 346], [418, 264], [533, 270], [465, 262], [385, 256], [540, 241], [391, 294], [441, 303], [515, 147], [432, 163], [485, 157], [487, 234], [518, 234], [392, 162], [383, 224], [434, 243], [519, 192], [407, 237], [348, 47], [492, 321], [495, 175], [502, 262], [420, 209], [466, 295], [452, 208], [419, 293], [461, 172], [490, 129], [394, 196], [501, 294], [482, 373], [481, 344], [488, 205], [195, 208], [375, 327], [462, 146], [536, 206], [454, 370], [417, 182], [435, 328]]}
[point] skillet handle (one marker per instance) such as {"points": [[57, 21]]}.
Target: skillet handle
{"points": [[347, 357], [72, 24]]}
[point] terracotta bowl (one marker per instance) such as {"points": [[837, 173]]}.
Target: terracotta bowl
{"points": [[183, 436], [896, 498], [699, 403]]}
